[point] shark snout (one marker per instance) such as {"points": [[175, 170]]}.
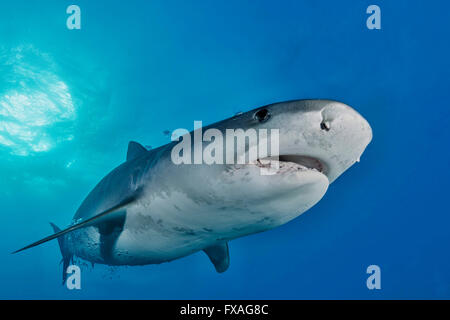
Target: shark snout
{"points": [[345, 134], [345, 118]]}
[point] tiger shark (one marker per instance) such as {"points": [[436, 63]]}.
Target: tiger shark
{"points": [[150, 210]]}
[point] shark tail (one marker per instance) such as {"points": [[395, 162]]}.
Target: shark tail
{"points": [[66, 255], [61, 235]]}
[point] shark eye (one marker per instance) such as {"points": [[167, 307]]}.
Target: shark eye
{"points": [[262, 115]]}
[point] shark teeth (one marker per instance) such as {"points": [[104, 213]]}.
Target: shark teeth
{"points": [[285, 163], [282, 166]]}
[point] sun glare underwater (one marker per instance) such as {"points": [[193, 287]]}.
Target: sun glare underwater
{"points": [[71, 100], [34, 102]]}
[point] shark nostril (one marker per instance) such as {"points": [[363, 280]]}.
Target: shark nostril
{"points": [[325, 125]]}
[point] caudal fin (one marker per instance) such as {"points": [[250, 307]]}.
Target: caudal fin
{"points": [[61, 234], [66, 255]]}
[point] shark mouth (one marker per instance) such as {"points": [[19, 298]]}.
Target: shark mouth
{"points": [[292, 162]]}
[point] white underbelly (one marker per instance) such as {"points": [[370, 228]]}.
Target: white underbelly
{"points": [[163, 227]]}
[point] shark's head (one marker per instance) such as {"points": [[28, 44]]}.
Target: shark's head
{"points": [[317, 141], [322, 135]]}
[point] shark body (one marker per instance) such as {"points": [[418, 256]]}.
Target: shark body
{"points": [[150, 210]]}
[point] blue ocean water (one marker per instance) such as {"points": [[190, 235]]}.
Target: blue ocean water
{"points": [[70, 100]]}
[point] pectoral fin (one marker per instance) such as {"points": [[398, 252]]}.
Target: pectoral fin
{"points": [[219, 256], [85, 223]]}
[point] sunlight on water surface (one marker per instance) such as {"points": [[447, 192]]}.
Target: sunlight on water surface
{"points": [[33, 102]]}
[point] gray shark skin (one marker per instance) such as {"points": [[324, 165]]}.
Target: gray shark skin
{"points": [[150, 210]]}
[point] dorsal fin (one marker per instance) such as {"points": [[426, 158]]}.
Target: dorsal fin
{"points": [[135, 150]]}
